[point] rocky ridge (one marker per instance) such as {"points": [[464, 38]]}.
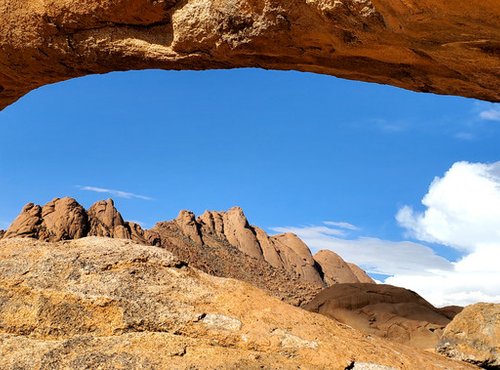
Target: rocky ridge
{"points": [[220, 243], [439, 46], [387, 311], [110, 303]]}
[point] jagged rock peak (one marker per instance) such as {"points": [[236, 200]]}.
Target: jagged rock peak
{"points": [[297, 257], [186, 221], [105, 220], [285, 251]]}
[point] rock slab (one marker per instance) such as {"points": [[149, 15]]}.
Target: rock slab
{"points": [[474, 336]]}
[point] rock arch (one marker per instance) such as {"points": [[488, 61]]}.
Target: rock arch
{"points": [[440, 46]]}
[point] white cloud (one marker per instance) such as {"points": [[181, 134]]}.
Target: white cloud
{"points": [[115, 193], [462, 211], [491, 114], [462, 208], [476, 277]]}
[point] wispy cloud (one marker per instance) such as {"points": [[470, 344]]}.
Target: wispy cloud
{"points": [[375, 255], [114, 192], [342, 225], [492, 113]]}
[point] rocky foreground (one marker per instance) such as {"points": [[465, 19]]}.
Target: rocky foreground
{"points": [[108, 303], [439, 46]]}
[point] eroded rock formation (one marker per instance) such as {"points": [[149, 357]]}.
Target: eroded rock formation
{"points": [[220, 243], [387, 311], [59, 219], [66, 219], [100, 303], [440, 46], [474, 336]]}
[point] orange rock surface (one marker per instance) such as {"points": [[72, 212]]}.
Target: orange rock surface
{"points": [[109, 303]]}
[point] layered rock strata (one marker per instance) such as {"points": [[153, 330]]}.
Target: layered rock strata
{"points": [[100, 303], [439, 46]]}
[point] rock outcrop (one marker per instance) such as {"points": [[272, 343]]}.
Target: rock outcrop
{"points": [[212, 228], [223, 244], [105, 220], [434, 46], [212, 253], [336, 270], [66, 219], [60, 219], [474, 336], [390, 312], [99, 303]]}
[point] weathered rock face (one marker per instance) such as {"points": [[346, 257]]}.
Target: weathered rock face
{"points": [[387, 311], [440, 46], [336, 270], [60, 219], [474, 336], [98, 303], [106, 221]]}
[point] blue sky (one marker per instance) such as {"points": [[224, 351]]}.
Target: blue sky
{"points": [[292, 149]]}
